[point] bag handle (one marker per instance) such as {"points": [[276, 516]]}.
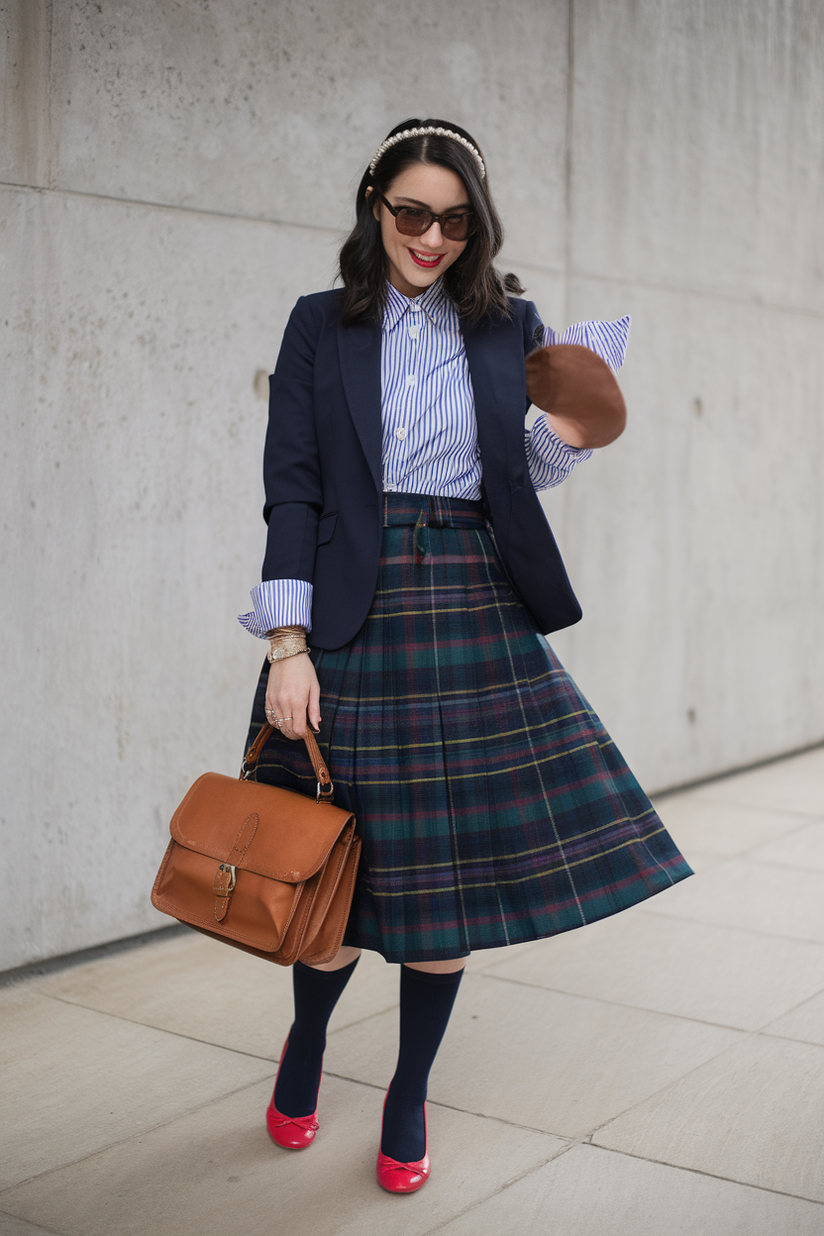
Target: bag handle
{"points": [[326, 789]]}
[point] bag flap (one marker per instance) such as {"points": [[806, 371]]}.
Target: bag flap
{"points": [[274, 832]]}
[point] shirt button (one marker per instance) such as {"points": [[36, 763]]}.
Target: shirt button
{"points": [[400, 433], [411, 379], [414, 331], [415, 307], [389, 487]]}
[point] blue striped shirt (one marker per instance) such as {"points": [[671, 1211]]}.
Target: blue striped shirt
{"points": [[430, 434]]}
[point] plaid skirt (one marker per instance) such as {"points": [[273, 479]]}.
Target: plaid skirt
{"points": [[494, 807]]}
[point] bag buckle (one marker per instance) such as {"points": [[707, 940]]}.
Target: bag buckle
{"points": [[225, 880], [326, 792]]}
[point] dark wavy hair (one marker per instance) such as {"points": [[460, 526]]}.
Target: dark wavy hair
{"points": [[472, 282]]}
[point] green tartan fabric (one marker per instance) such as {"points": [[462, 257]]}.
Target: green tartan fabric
{"points": [[493, 805]]}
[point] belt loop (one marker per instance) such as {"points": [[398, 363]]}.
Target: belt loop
{"points": [[385, 511], [421, 536]]}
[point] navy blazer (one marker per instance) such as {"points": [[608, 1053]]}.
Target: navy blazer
{"points": [[322, 465]]}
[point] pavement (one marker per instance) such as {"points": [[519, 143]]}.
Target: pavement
{"points": [[661, 1072]]}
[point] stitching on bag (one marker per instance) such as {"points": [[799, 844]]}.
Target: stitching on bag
{"points": [[236, 848]]}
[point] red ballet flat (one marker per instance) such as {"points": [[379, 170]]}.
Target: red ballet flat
{"points": [[398, 1177], [291, 1132]]}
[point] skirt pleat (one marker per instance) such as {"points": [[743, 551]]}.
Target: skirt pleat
{"points": [[493, 805]]}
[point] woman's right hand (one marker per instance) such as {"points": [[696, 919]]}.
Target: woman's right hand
{"points": [[293, 694]]}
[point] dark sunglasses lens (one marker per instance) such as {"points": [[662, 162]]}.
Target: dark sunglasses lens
{"points": [[457, 227], [413, 222]]}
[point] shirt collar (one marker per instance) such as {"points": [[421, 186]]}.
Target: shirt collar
{"points": [[434, 302]]}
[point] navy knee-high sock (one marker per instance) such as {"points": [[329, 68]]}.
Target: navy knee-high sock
{"points": [[316, 994], [426, 1005]]}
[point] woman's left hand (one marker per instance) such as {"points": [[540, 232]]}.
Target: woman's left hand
{"points": [[293, 695]]}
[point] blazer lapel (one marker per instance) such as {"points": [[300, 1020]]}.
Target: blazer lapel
{"points": [[359, 348]]}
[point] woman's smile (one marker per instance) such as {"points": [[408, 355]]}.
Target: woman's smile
{"points": [[426, 259]]}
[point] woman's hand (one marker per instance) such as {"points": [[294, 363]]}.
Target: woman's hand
{"points": [[292, 694]]}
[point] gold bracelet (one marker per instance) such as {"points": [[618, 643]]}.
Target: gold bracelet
{"points": [[286, 650], [286, 642]]}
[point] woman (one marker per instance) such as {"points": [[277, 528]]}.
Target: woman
{"points": [[406, 534]]}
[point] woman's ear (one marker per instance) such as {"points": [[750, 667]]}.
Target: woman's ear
{"points": [[376, 206]]}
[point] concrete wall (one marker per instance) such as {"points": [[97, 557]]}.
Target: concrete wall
{"points": [[174, 173]]}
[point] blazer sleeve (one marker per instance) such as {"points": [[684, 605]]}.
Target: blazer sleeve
{"points": [[291, 464]]}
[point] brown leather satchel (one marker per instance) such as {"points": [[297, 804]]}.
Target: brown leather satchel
{"points": [[262, 868]]}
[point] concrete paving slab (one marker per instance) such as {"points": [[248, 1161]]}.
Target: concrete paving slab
{"points": [[752, 1114], [11, 1226], [587, 1191], [486, 957], [802, 848], [77, 1081], [216, 1170], [172, 986], [806, 1023], [699, 860], [699, 970], [538, 1058], [795, 784], [725, 829], [784, 901]]}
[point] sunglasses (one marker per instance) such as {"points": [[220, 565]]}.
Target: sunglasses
{"points": [[414, 220]]}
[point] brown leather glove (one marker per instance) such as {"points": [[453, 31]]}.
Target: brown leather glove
{"points": [[579, 392]]}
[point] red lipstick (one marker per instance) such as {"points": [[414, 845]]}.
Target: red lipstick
{"points": [[430, 263]]}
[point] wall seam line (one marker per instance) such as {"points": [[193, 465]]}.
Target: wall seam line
{"points": [[570, 95], [188, 210]]}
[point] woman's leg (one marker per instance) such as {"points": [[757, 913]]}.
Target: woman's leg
{"points": [[316, 991], [428, 991]]}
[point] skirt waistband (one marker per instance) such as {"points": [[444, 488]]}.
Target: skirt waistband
{"points": [[431, 510]]}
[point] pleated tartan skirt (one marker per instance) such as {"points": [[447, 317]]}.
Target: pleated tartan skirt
{"points": [[493, 805]]}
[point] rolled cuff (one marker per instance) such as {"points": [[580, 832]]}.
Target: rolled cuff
{"points": [[278, 603], [550, 458], [607, 339]]}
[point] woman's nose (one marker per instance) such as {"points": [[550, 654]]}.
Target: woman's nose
{"points": [[433, 237]]}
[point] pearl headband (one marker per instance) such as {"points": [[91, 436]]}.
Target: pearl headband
{"points": [[428, 132]]}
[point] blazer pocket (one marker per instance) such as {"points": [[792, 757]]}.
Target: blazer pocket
{"points": [[326, 527]]}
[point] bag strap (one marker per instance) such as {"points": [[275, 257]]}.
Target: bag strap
{"points": [[325, 787]]}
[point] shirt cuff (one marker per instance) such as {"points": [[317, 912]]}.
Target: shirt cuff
{"points": [[278, 603], [551, 459], [607, 339]]}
